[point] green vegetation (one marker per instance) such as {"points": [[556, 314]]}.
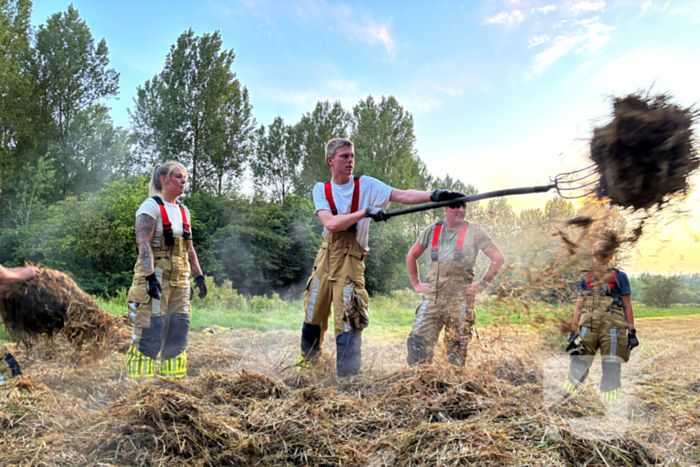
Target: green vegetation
{"points": [[391, 314]]}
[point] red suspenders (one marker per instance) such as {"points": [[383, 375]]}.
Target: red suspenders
{"points": [[168, 227], [355, 200], [436, 240]]}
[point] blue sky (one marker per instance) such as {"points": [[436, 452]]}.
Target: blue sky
{"points": [[503, 92]]}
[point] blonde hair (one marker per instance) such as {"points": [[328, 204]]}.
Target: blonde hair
{"points": [[163, 170], [336, 143]]}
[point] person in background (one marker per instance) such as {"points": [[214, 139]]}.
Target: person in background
{"points": [[449, 291], [604, 318], [159, 297]]}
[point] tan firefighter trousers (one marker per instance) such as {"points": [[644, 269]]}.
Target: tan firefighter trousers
{"points": [[450, 305], [338, 274], [603, 327], [161, 326]]}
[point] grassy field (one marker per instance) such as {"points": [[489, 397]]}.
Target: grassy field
{"points": [[391, 315]]}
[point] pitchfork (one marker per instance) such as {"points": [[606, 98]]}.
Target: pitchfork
{"points": [[569, 185]]}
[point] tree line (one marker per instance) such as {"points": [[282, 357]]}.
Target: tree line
{"points": [[72, 180]]}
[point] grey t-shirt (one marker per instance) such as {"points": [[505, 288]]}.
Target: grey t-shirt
{"points": [[475, 239]]}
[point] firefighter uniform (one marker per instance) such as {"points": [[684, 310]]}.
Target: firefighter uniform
{"points": [[603, 326], [162, 326], [338, 279], [450, 303]]}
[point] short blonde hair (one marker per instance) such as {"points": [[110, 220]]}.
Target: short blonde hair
{"points": [[162, 170], [336, 143]]}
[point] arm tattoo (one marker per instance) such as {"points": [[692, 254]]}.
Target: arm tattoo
{"points": [[194, 262], [145, 228]]}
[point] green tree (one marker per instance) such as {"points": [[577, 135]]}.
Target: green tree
{"points": [[16, 105], [314, 130], [29, 187], [195, 111], [234, 140], [275, 165], [661, 291], [384, 143], [72, 78]]}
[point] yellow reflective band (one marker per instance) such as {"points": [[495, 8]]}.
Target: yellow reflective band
{"points": [[570, 387], [175, 367], [139, 365], [612, 395]]}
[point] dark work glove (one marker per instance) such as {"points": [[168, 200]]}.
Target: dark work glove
{"points": [[377, 214], [632, 337], [201, 285], [571, 336], [153, 287], [445, 195]]}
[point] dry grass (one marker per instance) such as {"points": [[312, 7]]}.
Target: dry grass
{"points": [[238, 410]]}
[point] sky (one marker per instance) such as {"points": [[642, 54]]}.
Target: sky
{"points": [[504, 93]]}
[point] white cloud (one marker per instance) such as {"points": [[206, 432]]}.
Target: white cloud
{"points": [[545, 9], [646, 6], [505, 17], [537, 40], [359, 26], [666, 5], [587, 5], [591, 39]]}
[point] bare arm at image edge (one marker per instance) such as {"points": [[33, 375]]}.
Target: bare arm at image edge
{"points": [[9, 275], [145, 228]]}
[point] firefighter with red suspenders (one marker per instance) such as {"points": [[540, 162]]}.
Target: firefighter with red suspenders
{"points": [[159, 297], [344, 205], [605, 320], [449, 291]]}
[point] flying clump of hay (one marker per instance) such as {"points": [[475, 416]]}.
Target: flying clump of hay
{"points": [[646, 153], [52, 304]]}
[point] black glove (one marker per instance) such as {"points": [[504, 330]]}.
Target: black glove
{"points": [[571, 336], [377, 214], [445, 195], [632, 337], [153, 287], [201, 285]]}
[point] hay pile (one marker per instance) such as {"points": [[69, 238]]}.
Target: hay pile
{"points": [[491, 413], [52, 303], [646, 153]]}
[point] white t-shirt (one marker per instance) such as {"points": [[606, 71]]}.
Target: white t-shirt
{"points": [[373, 193], [151, 208]]}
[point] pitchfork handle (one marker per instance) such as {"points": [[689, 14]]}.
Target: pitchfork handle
{"points": [[472, 198]]}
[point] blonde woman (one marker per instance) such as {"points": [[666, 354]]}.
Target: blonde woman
{"points": [[159, 297]]}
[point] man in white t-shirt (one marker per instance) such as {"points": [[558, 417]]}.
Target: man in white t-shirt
{"points": [[344, 205]]}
